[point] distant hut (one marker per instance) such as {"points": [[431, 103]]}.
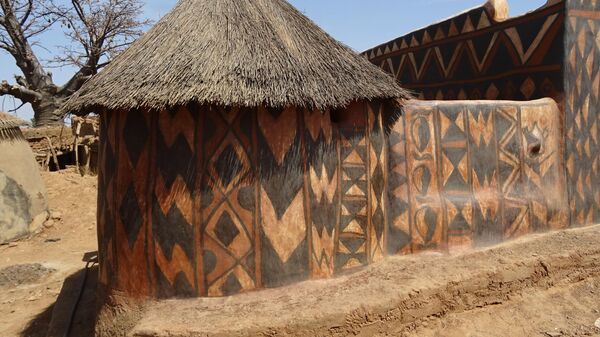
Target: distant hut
{"points": [[22, 191], [241, 148]]}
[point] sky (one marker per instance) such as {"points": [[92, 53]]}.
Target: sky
{"points": [[360, 24]]}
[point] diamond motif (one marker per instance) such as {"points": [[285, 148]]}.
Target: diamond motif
{"points": [[131, 216], [226, 230]]}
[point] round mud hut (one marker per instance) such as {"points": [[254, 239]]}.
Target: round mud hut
{"points": [[22, 191], [241, 148]]}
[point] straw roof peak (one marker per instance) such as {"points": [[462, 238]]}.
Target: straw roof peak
{"points": [[234, 53]]}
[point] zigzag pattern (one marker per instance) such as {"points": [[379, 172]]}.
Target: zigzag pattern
{"points": [[471, 56]]}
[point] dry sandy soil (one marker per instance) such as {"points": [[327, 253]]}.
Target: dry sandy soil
{"points": [[543, 285], [32, 290]]}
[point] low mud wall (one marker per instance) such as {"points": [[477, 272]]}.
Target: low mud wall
{"points": [[22, 191], [472, 173]]}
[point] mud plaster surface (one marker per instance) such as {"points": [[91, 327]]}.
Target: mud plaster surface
{"points": [[412, 295]]}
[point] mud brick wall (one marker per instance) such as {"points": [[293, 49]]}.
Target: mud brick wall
{"points": [[208, 201], [467, 174], [22, 191]]}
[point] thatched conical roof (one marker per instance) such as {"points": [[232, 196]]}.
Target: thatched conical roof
{"points": [[234, 53], [8, 121]]}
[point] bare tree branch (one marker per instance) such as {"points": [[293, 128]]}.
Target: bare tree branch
{"points": [[17, 108], [20, 92], [97, 30]]}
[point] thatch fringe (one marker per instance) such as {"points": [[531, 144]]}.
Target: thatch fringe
{"points": [[234, 53], [8, 121], [11, 135]]}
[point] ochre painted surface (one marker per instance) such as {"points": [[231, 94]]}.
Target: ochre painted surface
{"points": [[474, 173], [209, 201]]}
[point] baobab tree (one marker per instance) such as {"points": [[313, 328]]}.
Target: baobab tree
{"points": [[96, 30]]}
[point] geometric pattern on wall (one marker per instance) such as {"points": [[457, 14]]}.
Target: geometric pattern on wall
{"points": [[479, 173], [377, 175], [428, 229], [214, 201], [284, 241], [363, 183], [321, 147], [172, 203], [106, 204], [399, 227], [582, 91], [353, 239], [228, 209], [130, 188], [471, 56]]}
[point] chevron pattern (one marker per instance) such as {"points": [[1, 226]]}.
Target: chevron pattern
{"points": [[471, 56], [324, 191], [212, 201]]}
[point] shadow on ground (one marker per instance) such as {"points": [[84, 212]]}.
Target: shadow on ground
{"points": [[54, 321]]}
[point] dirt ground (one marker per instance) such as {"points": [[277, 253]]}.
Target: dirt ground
{"points": [[36, 268], [541, 285], [544, 285]]}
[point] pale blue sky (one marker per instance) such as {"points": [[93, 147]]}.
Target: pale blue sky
{"points": [[360, 24]]}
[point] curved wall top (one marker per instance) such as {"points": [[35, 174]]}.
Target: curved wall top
{"points": [[22, 191]]}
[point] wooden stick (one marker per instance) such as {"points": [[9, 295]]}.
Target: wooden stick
{"points": [[53, 154]]}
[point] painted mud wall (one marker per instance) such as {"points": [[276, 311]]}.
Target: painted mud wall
{"points": [[582, 107], [207, 201], [481, 54], [22, 191], [552, 52], [473, 173]]}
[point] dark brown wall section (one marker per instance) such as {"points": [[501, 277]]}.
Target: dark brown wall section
{"points": [[471, 56]]}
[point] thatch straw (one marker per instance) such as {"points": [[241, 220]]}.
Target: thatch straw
{"points": [[9, 127], [8, 121], [234, 53]]}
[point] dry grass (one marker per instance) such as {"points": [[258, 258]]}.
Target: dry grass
{"points": [[235, 53]]}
